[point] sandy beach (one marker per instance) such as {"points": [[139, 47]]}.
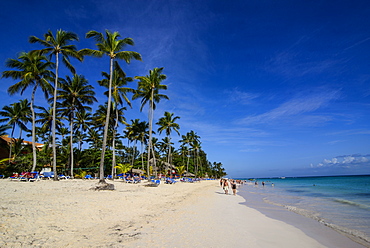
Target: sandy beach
{"points": [[69, 214]]}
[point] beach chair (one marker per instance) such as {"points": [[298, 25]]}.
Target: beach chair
{"points": [[24, 176], [48, 175], [61, 176], [89, 177], [34, 176], [156, 181], [14, 176]]}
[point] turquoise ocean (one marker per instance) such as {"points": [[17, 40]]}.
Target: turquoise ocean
{"points": [[340, 202]]}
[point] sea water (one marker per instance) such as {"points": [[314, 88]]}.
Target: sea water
{"points": [[341, 202]]}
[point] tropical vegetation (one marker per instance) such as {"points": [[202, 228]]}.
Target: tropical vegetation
{"points": [[77, 138]]}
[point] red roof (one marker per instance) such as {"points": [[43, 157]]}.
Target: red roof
{"points": [[9, 140]]}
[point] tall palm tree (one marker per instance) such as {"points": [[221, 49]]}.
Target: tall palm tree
{"points": [[119, 93], [148, 90], [16, 114], [112, 46], [55, 46], [74, 93], [33, 71], [167, 124]]}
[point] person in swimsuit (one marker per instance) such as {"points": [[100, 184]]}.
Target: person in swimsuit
{"points": [[226, 187], [233, 186]]}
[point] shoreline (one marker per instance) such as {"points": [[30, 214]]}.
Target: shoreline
{"points": [[327, 234], [69, 214]]}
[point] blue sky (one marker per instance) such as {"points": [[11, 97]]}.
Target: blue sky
{"points": [[274, 88]]}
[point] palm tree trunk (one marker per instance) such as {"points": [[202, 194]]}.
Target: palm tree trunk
{"points": [[101, 180], [11, 144], [133, 153], [150, 133], [71, 144], [33, 130], [54, 117], [114, 143], [142, 155], [187, 164], [154, 162]]}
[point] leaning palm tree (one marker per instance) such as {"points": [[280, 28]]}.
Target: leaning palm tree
{"points": [[119, 93], [167, 124], [55, 46], [112, 46], [33, 71], [148, 90], [74, 93]]}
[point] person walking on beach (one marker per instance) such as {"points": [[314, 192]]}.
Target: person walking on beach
{"points": [[226, 187], [233, 186]]}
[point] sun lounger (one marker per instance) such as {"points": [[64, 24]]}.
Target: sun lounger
{"points": [[48, 175], [61, 176], [34, 176], [89, 177], [14, 176]]}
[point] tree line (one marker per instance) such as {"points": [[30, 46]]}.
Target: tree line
{"points": [[68, 122]]}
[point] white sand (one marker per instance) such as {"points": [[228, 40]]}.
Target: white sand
{"points": [[68, 214]]}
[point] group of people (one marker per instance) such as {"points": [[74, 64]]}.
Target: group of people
{"points": [[227, 183]]}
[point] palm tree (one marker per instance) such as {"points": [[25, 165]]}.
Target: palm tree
{"points": [[131, 133], [55, 46], [167, 123], [46, 119], [196, 146], [84, 120], [111, 46], [119, 80], [16, 114], [94, 137], [33, 71], [148, 91], [180, 170], [187, 140], [142, 130], [3, 129], [75, 92]]}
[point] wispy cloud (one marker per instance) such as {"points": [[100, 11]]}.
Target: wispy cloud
{"points": [[241, 97], [297, 106]]}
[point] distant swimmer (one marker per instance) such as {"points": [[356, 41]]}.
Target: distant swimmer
{"points": [[273, 185], [263, 184]]}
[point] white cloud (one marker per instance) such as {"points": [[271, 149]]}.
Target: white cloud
{"points": [[346, 161]]}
